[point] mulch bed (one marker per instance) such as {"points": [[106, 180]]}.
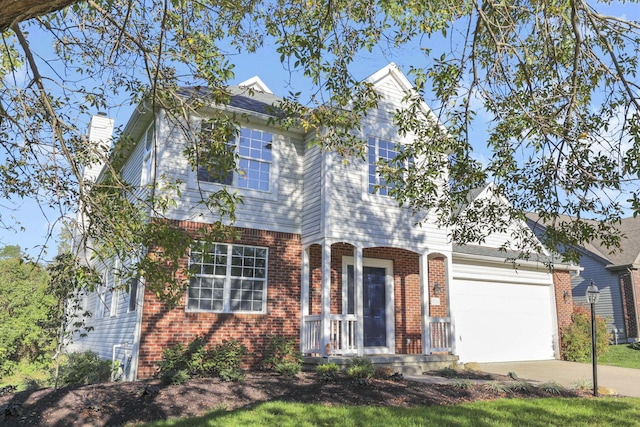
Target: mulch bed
{"points": [[115, 404]]}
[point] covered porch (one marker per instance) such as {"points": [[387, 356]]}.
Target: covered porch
{"points": [[388, 304]]}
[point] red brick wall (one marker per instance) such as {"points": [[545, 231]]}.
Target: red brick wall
{"points": [[315, 279], [631, 305], [564, 310], [163, 327], [437, 274]]}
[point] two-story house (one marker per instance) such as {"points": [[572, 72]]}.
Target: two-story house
{"points": [[325, 258]]}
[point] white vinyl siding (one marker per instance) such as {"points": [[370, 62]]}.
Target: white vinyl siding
{"points": [[279, 209], [313, 193]]}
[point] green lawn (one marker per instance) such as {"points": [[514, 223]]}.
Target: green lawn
{"points": [[621, 355], [564, 412]]}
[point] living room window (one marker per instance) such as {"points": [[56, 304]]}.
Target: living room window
{"points": [[253, 148], [385, 151], [227, 278]]}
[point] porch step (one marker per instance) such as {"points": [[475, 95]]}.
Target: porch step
{"points": [[406, 364]]}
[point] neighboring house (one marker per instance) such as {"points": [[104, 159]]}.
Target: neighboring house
{"points": [[617, 277], [324, 259]]}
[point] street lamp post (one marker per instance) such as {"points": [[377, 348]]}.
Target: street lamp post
{"points": [[593, 294]]}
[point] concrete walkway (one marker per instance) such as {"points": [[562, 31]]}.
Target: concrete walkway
{"points": [[623, 381]]}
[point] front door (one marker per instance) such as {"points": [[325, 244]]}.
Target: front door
{"points": [[377, 303], [374, 315]]}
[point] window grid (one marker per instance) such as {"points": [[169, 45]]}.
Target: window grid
{"points": [[254, 148], [380, 149], [227, 278], [147, 158]]}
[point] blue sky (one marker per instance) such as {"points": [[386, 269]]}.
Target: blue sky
{"points": [[35, 225]]}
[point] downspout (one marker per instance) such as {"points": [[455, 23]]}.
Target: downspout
{"points": [[137, 332], [124, 345]]}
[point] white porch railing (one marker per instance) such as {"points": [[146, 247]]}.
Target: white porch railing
{"points": [[440, 335], [342, 334]]}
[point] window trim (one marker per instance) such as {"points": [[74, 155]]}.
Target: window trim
{"points": [[132, 306], [101, 296], [274, 173], [376, 198], [226, 299], [148, 142]]}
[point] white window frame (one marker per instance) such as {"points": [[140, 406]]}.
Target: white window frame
{"points": [[274, 173], [133, 295], [227, 277], [115, 291], [101, 296], [382, 191], [148, 143]]}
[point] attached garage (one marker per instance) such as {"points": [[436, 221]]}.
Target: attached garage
{"points": [[502, 313]]}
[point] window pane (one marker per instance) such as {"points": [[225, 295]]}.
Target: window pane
{"points": [[207, 290]]}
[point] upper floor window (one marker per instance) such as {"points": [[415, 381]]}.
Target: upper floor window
{"points": [[227, 278], [385, 151], [253, 148], [147, 157]]}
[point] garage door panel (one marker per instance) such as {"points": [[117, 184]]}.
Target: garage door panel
{"points": [[498, 322]]}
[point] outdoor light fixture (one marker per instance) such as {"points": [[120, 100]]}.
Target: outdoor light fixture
{"points": [[593, 295], [436, 288], [565, 296]]}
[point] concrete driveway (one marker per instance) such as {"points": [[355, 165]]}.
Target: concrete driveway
{"points": [[624, 381]]}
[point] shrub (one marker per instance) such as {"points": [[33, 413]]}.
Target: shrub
{"points": [[175, 377], [576, 338], [83, 368], [635, 345], [327, 371], [328, 368], [360, 367], [462, 384], [226, 359], [179, 363], [551, 387], [282, 356]]}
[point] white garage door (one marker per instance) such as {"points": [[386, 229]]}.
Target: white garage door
{"points": [[497, 320]]}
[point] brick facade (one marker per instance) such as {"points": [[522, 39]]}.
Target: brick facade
{"points": [[163, 327], [564, 300], [630, 289]]}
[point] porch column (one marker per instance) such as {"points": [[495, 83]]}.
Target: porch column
{"points": [[325, 341], [304, 296], [358, 284], [424, 303]]}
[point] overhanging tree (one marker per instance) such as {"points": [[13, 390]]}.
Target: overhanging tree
{"points": [[553, 83]]}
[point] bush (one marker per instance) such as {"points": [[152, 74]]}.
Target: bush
{"points": [[360, 367], [83, 368], [225, 360], [576, 338], [282, 356], [179, 363], [327, 372]]}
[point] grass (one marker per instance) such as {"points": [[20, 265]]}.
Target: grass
{"points": [[25, 373], [504, 412], [621, 355]]}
